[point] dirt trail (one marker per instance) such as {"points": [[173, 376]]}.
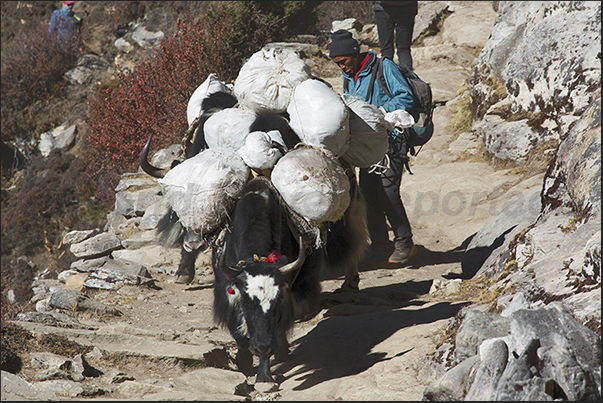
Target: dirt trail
{"points": [[368, 348]]}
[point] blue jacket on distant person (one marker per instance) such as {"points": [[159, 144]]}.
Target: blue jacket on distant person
{"points": [[65, 25]]}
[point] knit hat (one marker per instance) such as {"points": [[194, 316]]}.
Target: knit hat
{"points": [[342, 43]]}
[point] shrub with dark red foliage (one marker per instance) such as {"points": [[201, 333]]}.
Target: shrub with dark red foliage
{"points": [[151, 101]]}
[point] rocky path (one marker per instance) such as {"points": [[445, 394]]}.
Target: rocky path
{"points": [[165, 346]]}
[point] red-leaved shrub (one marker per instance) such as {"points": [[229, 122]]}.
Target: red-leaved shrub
{"points": [[153, 99]]}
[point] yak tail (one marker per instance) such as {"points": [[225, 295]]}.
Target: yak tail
{"points": [[170, 229]]}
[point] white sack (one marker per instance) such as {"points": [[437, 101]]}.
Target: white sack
{"points": [[267, 79], [203, 189], [368, 133], [320, 117], [210, 85], [258, 151], [399, 119], [228, 128], [313, 184]]}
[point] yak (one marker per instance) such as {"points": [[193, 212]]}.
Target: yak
{"points": [[267, 272], [171, 232]]}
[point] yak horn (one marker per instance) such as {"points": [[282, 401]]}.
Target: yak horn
{"points": [[290, 267], [146, 166], [229, 271]]}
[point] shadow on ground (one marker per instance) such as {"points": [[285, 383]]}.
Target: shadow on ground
{"points": [[342, 346]]}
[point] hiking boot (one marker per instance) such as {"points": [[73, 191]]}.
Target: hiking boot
{"points": [[402, 254]]}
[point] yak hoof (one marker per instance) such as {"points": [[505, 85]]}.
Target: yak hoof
{"points": [[185, 279]]}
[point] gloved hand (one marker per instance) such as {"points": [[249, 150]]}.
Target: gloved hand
{"points": [[399, 119]]}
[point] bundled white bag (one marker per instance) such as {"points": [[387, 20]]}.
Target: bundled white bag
{"points": [[267, 79], [312, 183], [368, 133], [203, 189], [210, 85], [228, 128], [259, 152], [320, 117]]}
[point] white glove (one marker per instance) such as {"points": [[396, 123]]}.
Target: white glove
{"points": [[399, 119]]}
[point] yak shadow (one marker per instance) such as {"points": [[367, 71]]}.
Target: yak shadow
{"points": [[342, 346]]}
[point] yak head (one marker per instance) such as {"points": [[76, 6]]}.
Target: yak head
{"points": [[259, 290]]}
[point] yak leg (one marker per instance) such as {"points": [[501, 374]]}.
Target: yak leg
{"points": [[352, 278], [264, 370], [244, 358], [186, 268]]}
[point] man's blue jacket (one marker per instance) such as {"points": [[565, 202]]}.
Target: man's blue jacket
{"points": [[402, 97], [396, 83]]}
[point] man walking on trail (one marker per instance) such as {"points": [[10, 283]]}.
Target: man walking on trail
{"points": [[398, 16], [66, 26], [381, 189]]}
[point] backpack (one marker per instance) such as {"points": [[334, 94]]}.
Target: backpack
{"points": [[422, 110]]}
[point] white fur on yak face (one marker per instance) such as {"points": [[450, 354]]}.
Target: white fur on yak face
{"points": [[264, 289]]}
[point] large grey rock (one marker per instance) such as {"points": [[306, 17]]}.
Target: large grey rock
{"points": [[16, 388], [547, 90], [494, 354], [97, 246], [151, 256], [46, 360], [153, 214], [518, 381], [134, 203], [60, 137], [478, 326], [463, 27], [453, 385], [135, 181], [73, 300], [489, 248], [146, 39], [77, 236], [140, 239], [555, 325], [88, 66], [426, 17], [165, 157], [577, 168]]}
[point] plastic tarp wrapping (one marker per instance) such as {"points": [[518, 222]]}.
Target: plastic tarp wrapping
{"points": [[266, 81], [203, 189], [209, 86], [313, 183], [228, 128], [259, 150], [368, 133], [319, 117]]}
